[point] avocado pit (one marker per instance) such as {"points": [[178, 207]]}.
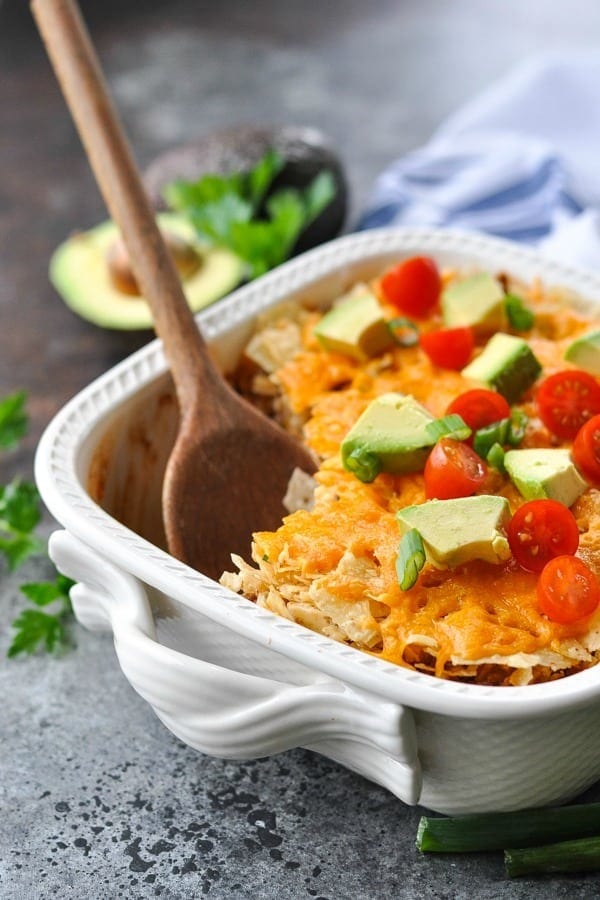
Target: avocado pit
{"points": [[80, 272], [187, 262]]}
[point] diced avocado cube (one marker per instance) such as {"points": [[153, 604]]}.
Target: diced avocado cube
{"points": [[507, 364], [355, 326], [585, 352], [478, 301], [542, 472], [457, 531], [390, 436]]}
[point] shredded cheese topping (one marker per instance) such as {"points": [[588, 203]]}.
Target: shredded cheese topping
{"points": [[332, 568]]}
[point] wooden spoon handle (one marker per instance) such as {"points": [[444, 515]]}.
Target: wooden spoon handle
{"points": [[78, 72]]}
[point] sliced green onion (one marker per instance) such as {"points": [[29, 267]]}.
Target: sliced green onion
{"points": [[516, 430], [519, 316], [453, 426], [364, 464], [496, 831], [495, 457], [410, 559], [404, 332], [486, 437], [506, 431], [567, 856]]}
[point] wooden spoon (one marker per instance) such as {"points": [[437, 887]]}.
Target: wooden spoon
{"points": [[229, 469]]}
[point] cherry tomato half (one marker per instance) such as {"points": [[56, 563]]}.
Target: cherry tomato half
{"points": [[567, 590], [449, 348], [413, 286], [566, 400], [453, 470], [480, 407], [586, 450], [541, 530]]}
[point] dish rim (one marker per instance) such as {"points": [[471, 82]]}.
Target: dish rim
{"points": [[57, 464]]}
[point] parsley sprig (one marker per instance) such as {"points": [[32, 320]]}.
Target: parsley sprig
{"points": [[231, 211], [46, 623], [13, 419], [19, 516], [35, 628]]}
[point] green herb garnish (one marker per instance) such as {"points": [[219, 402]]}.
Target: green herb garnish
{"points": [[20, 514], [495, 457], [517, 427], [364, 464], [35, 628], [485, 438], [13, 419], [519, 316], [410, 559], [231, 211], [404, 332], [451, 426], [507, 431]]}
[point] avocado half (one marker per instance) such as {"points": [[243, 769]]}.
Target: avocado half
{"points": [[79, 273]]}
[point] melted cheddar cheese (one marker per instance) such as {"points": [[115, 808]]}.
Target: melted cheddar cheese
{"points": [[332, 568]]}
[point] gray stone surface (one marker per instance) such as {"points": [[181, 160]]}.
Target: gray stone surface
{"points": [[97, 799]]}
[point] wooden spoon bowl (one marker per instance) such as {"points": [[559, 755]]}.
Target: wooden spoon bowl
{"points": [[224, 481], [229, 469]]}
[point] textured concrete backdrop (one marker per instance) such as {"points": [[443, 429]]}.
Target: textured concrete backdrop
{"points": [[97, 799]]}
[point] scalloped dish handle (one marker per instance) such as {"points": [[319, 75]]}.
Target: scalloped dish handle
{"points": [[227, 713]]}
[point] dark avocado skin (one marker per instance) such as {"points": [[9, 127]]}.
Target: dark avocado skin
{"points": [[306, 152]]}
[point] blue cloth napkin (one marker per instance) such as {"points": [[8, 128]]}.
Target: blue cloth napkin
{"points": [[521, 161]]}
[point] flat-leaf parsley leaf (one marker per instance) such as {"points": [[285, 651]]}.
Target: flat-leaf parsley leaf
{"points": [[13, 419], [231, 211], [20, 514]]}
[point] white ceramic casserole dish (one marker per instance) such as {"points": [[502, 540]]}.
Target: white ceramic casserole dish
{"points": [[234, 680]]}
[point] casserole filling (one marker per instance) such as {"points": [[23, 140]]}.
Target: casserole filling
{"points": [[396, 548]]}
